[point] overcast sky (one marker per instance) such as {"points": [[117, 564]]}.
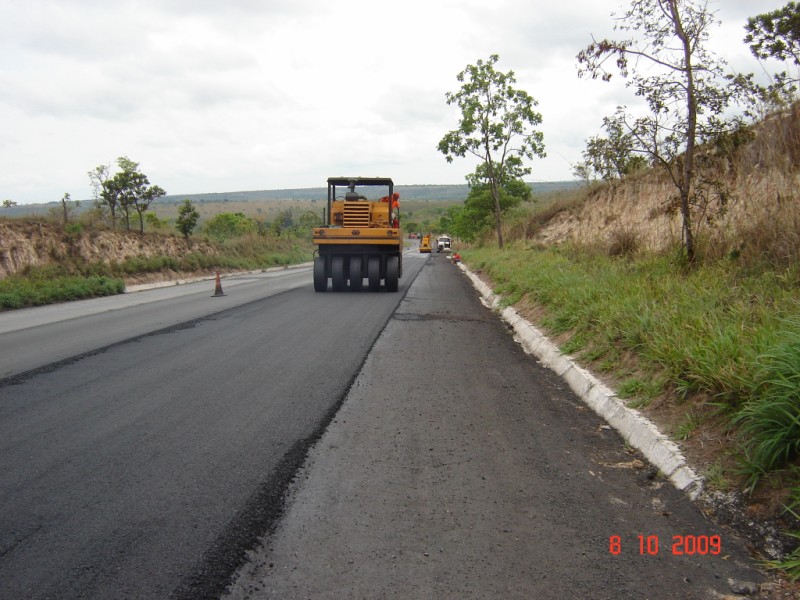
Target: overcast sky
{"points": [[230, 95]]}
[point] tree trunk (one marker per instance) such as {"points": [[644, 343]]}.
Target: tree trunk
{"points": [[498, 223], [691, 134]]}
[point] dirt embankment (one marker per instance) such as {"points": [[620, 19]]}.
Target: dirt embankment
{"points": [[747, 200], [643, 208], [36, 243]]}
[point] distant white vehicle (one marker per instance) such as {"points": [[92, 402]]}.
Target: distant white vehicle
{"points": [[443, 244]]}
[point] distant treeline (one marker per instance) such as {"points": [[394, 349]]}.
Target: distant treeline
{"points": [[407, 192]]}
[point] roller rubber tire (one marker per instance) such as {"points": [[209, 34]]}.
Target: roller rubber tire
{"points": [[356, 280], [338, 276], [392, 273], [374, 273], [320, 280]]}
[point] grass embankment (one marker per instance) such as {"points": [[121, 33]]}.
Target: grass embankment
{"points": [[47, 286], [74, 279], [718, 345]]}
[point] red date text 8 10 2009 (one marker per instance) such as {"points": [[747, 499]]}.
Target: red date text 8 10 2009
{"points": [[689, 545]]}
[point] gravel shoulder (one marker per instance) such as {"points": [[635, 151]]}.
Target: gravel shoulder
{"points": [[458, 467]]}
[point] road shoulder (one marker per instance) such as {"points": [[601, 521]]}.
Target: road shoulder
{"points": [[458, 467]]}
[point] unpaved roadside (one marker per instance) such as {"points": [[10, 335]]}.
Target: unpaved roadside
{"points": [[460, 468]]}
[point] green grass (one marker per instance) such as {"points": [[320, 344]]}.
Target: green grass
{"points": [[726, 337], [37, 289], [771, 415]]}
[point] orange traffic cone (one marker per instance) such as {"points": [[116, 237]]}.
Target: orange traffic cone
{"points": [[218, 289]]}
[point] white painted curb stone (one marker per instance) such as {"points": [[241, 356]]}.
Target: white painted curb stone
{"points": [[635, 428]]}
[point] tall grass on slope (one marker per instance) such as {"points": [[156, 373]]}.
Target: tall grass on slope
{"points": [[714, 333], [771, 416]]}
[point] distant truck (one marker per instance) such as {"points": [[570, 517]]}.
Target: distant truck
{"points": [[443, 244], [361, 238]]}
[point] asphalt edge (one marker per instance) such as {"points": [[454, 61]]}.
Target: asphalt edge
{"points": [[635, 428], [140, 287]]}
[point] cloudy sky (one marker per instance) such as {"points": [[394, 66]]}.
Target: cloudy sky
{"points": [[217, 96]]}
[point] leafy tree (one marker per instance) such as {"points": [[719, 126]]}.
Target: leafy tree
{"points": [[477, 214], [187, 218], [411, 226], [610, 157], [776, 35], [496, 126], [308, 220], [229, 225], [128, 191], [132, 190], [9, 203], [154, 222], [679, 78], [283, 222]]}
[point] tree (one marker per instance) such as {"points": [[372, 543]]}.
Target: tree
{"points": [[283, 222], [67, 208], [153, 222], [776, 35], [9, 203], [308, 221], [102, 196], [131, 191], [610, 157], [229, 225], [128, 191], [476, 215], [673, 71], [187, 218], [496, 126], [144, 197]]}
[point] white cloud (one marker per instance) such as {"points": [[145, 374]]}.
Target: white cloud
{"points": [[250, 94]]}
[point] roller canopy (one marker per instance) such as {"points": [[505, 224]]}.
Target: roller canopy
{"points": [[339, 181]]}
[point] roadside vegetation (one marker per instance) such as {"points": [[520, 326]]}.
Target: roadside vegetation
{"points": [[50, 285], [702, 332], [75, 279], [71, 262], [720, 343], [710, 351], [178, 240]]}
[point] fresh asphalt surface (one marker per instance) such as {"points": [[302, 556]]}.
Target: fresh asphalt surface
{"points": [[459, 468], [456, 467], [146, 468], [37, 337]]}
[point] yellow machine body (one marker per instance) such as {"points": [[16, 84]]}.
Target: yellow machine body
{"points": [[425, 244], [359, 222], [361, 237]]}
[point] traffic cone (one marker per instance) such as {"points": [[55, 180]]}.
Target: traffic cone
{"points": [[218, 289]]}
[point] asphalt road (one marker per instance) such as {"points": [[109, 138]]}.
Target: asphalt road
{"points": [[146, 441], [458, 467], [37, 337]]}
